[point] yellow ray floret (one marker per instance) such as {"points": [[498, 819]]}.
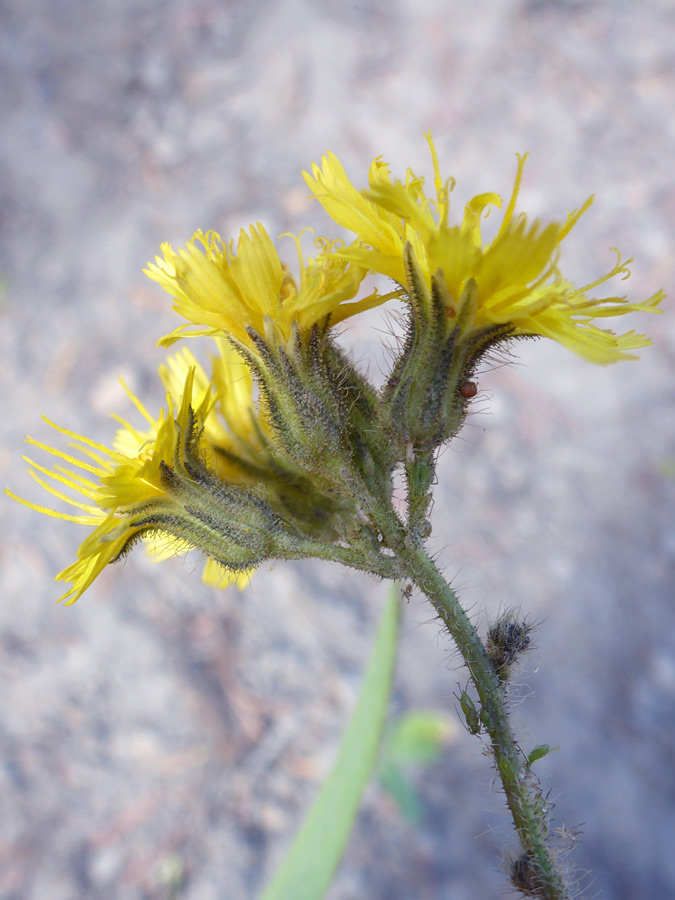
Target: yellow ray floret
{"points": [[225, 292], [516, 276]]}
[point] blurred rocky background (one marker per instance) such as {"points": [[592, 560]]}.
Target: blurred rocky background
{"points": [[161, 739]]}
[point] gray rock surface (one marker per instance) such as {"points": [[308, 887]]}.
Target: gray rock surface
{"points": [[161, 739]]}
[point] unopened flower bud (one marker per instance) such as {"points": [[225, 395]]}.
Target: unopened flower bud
{"points": [[507, 639]]}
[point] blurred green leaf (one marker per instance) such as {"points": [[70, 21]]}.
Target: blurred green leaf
{"points": [[170, 874], [417, 738], [399, 786], [666, 468], [310, 864]]}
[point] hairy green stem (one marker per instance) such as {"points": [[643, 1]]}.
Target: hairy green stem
{"points": [[377, 564], [534, 871], [419, 475], [523, 796]]}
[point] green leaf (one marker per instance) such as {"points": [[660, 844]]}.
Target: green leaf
{"points": [[539, 753], [418, 738], [399, 786], [311, 862]]}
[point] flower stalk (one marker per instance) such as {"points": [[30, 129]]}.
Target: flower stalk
{"points": [[528, 807]]}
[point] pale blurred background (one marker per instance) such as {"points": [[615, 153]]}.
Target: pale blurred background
{"points": [[161, 739]]}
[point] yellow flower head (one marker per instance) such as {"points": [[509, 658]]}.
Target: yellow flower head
{"points": [[512, 280], [231, 425], [118, 487], [223, 292]]}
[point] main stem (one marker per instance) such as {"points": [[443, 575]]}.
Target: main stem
{"points": [[523, 796], [534, 872]]}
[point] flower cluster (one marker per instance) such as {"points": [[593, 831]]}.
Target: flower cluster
{"points": [[284, 449]]}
